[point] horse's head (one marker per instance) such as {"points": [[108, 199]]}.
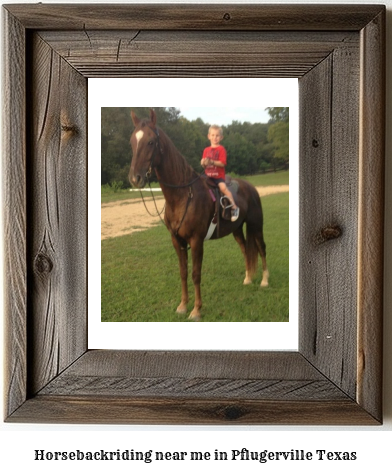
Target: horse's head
{"points": [[146, 149]]}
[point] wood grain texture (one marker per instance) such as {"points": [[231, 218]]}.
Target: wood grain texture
{"points": [[207, 375], [194, 53], [14, 208], [338, 52], [371, 216], [156, 411], [192, 387], [58, 215], [201, 387], [207, 364], [329, 137], [193, 17]]}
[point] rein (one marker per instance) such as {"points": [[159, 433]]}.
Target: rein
{"points": [[176, 186], [159, 213]]}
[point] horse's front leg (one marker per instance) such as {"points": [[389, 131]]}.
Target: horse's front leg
{"points": [[197, 260], [182, 254]]}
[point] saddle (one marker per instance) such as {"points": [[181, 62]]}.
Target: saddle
{"points": [[221, 199], [222, 204]]}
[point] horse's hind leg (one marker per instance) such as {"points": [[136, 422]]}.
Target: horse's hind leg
{"points": [[240, 239], [263, 254]]}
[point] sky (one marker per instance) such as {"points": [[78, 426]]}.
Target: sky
{"points": [[226, 115]]}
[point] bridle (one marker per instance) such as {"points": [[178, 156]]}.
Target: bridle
{"points": [[151, 165]]}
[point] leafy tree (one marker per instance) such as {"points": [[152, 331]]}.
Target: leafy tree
{"points": [[241, 154], [278, 135], [116, 128], [251, 147], [278, 114]]}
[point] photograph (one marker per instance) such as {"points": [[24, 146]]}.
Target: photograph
{"points": [[198, 197]]}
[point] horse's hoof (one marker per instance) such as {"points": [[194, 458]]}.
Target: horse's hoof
{"points": [[264, 280], [195, 318], [247, 281], [181, 309]]}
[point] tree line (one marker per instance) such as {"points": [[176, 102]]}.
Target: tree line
{"points": [[252, 148]]}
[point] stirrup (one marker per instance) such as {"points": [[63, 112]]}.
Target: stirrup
{"points": [[223, 205]]}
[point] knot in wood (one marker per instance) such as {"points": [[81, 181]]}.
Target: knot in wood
{"points": [[233, 412], [328, 233], [43, 264], [315, 143], [227, 16], [69, 128]]}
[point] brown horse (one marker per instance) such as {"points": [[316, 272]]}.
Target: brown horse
{"points": [[190, 208]]}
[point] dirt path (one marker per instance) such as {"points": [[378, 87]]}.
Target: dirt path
{"points": [[125, 217]]}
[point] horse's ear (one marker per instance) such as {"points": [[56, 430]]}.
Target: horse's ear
{"points": [[153, 117], [135, 118]]}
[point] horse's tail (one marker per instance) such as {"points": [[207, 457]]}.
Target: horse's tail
{"points": [[255, 244]]}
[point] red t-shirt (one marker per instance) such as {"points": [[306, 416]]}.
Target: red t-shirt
{"points": [[217, 154]]}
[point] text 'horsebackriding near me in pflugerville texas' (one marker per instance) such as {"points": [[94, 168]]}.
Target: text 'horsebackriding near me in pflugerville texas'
{"points": [[192, 207]]}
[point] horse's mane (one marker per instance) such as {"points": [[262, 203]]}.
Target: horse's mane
{"points": [[180, 168]]}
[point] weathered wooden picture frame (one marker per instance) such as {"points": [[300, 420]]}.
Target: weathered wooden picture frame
{"points": [[337, 52]]}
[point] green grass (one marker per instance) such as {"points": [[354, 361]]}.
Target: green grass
{"points": [[141, 282], [269, 179]]}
